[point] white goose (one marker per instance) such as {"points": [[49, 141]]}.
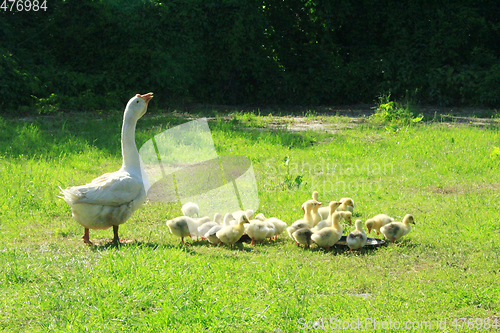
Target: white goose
{"points": [[110, 199]]}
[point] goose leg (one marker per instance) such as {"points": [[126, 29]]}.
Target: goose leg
{"points": [[116, 239], [85, 237]]}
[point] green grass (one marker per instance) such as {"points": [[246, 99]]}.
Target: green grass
{"points": [[445, 174]]}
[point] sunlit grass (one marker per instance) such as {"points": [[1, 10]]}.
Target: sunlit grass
{"points": [[448, 266]]}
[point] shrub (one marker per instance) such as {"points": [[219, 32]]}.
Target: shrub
{"points": [[388, 111]]}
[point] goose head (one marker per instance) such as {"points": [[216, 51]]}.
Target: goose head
{"points": [[137, 106]]}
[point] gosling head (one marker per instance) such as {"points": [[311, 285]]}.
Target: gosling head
{"points": [[243, 219], [348, 202], [409, 219], [347, 216], [228, 217], [334, 205], [369, 224], [308, 206], [359, 225], [218, 217], [316, 205], [315, 195]]}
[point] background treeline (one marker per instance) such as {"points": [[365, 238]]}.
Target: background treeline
{"points": [[84, 54]]}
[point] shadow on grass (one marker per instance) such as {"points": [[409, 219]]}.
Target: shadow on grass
{"points": [[108, 245], [188, 247], [344, 250], [56, 135], [409, 244]]}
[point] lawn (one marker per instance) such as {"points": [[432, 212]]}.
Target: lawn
{"points": [[444, 275]]}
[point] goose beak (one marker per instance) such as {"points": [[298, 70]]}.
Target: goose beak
{"points": [[146, 97]]}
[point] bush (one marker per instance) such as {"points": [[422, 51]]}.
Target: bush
{"points": [[91, 54], [388, 111]]}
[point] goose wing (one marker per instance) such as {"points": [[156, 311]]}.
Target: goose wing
{"points": [[111, 189]]}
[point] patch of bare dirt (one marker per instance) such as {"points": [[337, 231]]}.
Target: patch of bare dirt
{"points": [[334, 118], [461, 189]]}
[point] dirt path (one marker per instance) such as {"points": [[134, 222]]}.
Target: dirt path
{"points": [[332, 118]]}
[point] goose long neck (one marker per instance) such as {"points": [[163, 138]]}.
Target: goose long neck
{"points": [[240, 227], [331, 213], [407, 225], [308, 215], [336, 223], [131, 161]]}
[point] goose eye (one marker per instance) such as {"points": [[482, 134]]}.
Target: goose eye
{"points": [[137, 102]]}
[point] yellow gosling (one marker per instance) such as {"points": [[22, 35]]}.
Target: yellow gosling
{"points": [[377, 222], [395, 230]]}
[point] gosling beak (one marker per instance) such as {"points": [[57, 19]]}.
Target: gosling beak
{"points": [[146, 97]]}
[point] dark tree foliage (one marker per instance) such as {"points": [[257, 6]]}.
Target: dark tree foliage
{"points": [[84, 54]]}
